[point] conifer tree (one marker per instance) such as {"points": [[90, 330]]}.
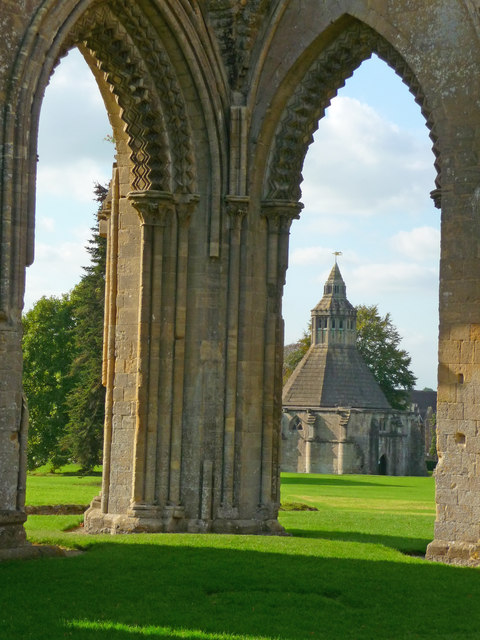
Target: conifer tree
{"points": [[86, 401]]}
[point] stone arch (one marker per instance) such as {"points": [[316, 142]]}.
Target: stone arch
{"points": [[255, 77], [311, 96], [117, 36], [142, 77], [149, 63]]}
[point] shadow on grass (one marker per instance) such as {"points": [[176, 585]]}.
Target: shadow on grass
{"points": [[78, 474], [416, 546], [333, 482], [137, 590]]}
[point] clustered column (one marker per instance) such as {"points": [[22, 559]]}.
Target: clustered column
{"points": [[279, 216], [165, 219]]}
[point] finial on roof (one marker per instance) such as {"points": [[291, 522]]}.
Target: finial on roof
{"points": [[336, 254]]}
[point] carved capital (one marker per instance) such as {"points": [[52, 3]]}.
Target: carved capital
{"points": [[185, 206], [103, 217], [237, 208], [436, 196], [280, 213], [155, 208]]}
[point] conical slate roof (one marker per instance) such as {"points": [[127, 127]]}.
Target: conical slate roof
{"points": [[332, 373], [333, 376]]}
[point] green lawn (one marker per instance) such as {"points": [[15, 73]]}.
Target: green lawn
{"points": [[341, 575], [394, 511], [63, 487]]}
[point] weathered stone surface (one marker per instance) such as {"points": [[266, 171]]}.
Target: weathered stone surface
{"points": [[213, 106], [336, 418]]}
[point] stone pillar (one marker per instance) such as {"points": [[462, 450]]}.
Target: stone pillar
{"points": [[156, 211], [13, 441], [237, 208], [108, 223], [279, 216], [156, 460], [457, 475]]}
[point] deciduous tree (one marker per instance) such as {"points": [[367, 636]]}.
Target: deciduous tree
{"points": [[49, 348], [293, 353], [378, 341]]}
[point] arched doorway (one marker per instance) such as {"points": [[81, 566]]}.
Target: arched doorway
{"points": [[382, 465], [367, 178]]}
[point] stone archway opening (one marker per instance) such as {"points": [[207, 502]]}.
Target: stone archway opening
{"points": [[367, 179], [382, 465], [75, 152]]}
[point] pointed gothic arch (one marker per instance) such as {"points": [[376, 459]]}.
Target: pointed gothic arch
{"points": [[352, 43], [148, 71], [142, 77], [132, 57]]}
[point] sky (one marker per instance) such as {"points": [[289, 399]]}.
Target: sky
{"points": [[367, 180]]}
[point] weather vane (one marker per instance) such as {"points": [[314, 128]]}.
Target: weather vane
{"points": [[336, 254]]}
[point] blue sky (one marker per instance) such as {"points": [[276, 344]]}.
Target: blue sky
{"points": [[367, 179]]}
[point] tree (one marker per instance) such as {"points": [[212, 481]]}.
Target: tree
{"points": [[378, 341], [48, 351], [85, 402], [293, 353]]}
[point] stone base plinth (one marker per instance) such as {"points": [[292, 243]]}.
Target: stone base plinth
{"points": [[13, 541], [29, 551], [145, 519], [451, 552], [12, 533]]}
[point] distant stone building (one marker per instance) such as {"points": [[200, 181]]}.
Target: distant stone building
{"points": [[424, 403], [336, 418]]}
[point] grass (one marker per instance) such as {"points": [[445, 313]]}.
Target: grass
{"points": [[342, 575], [65, 486], [389, 510]]}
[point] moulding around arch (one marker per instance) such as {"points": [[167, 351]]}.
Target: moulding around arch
{"points": [[138, 68], [312, 96]]}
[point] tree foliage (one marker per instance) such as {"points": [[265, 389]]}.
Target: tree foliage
{"points": [[294, 353], [379, 344], [49, 348], [378, 341], [85, 402], [62, 349]]}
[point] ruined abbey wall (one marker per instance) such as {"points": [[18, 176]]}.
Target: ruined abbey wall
{"points": [[213, 106]]}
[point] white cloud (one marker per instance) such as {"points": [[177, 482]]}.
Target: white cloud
{"points": [[421, 243], [319, 256], [75, 77], [324, 224], [393, 277], [364, 165], [46, 223], [66, 253], [56, 269], [73, 119], [310, 255], [75, 179]]}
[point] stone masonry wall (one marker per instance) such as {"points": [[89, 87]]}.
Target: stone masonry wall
{"points": [[214, 107]]}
